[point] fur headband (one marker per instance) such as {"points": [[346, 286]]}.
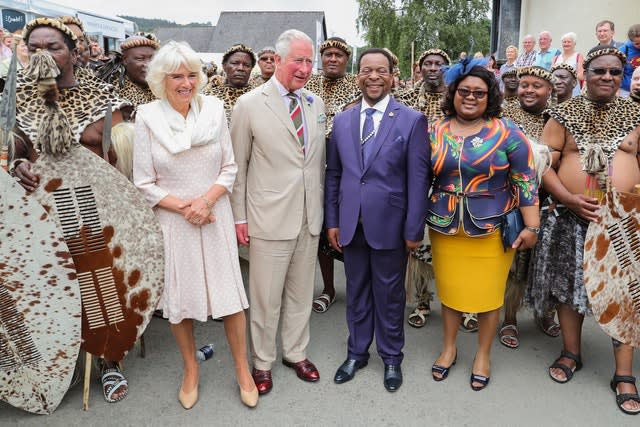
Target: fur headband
{"points": [[48, 22], [337, 43], [439, 52], [239, 48], [536, 72]]}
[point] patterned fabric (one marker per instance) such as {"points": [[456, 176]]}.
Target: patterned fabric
{"points": [[556, 271], [295, 112], [531, 124], [510, 102], [486, 174], [335, 93], [526, 59], [229, 95], [256, 81], [202, 274], [133, 93], [597, 126], [82, 104], [418, 98]]}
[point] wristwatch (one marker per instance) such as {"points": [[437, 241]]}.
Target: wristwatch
{"points": [[535, 230]]}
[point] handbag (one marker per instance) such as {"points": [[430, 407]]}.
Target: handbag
{"points": [[511, 226]]}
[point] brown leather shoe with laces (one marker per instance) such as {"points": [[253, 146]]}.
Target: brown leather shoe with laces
{"points": [[263, 380], [305, 370]]}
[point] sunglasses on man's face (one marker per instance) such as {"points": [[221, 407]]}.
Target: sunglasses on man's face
{"points": [[603, 71]]}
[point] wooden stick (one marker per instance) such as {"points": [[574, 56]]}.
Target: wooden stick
{"points": [[87, 381]]}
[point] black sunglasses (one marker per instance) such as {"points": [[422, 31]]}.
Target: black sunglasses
{"points": [[477, 94], [603, 71]]}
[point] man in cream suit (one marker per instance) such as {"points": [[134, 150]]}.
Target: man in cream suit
{"points": [[278, 138]]}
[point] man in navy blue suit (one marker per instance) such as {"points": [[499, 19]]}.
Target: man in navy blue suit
{"points": [[378, 172]]}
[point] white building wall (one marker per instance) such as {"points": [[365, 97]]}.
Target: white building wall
{"points": [[580, 16]]}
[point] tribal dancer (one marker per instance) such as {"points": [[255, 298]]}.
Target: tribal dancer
{"points": [[594, 140], [128, 70], [534, 94], [337, 88], [237, 63], [85, 104]]}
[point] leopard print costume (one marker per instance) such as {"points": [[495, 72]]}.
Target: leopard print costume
{"points": [[256, 81], [597, 126], [418, 98], [83, 104], [335, 93], [531, 124], [227, 94], [510, 102], [132, 92]]}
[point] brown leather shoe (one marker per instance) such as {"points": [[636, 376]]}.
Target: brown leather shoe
{"points": [[305, 370], [263, 380]]}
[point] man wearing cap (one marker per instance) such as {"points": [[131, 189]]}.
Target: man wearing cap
{"points": [[535, 86], [565, 79], [237, 63], [593, 139], [336, 87], [267, 65], [510, 85], [127, 71], [85, 104], [77, 28], [425, 96]]}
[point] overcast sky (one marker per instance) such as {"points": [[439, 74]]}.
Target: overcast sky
{"points": [[340, 15]]}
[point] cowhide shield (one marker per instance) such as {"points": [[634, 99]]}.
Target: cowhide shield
{"points": [[40, 312], [116, 244], [612, 267]]}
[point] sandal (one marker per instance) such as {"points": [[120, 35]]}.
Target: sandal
{"points": [[418, 317], [548, 325], [625, 397], [475, 378], [568, 372], [444, 372], [469, 322], [510, 341], [322, 303], [112, 381]]}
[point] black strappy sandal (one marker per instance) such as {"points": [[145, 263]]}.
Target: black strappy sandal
{"points": [[568, 372], [625, 397]]}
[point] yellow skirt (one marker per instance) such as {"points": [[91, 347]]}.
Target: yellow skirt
{"points": [[471, 272]]}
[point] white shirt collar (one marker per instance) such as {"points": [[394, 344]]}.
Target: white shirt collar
{"points": [[379, 106], [283, 90]]}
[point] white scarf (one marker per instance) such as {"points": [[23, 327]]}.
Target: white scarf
{"points": [[178, 134]]}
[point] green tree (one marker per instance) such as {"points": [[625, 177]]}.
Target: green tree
{"points": [[451, 25]]}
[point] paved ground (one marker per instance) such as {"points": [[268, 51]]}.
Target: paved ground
{"points": [[520, 392]]}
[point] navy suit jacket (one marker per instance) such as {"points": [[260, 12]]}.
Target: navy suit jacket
{"points": [[389, 194]]}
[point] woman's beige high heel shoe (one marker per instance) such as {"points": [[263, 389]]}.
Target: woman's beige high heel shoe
{"points": [[188, 400], [249, 398]]}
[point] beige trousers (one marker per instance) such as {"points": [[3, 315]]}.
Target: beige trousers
{"points": [[281, 281]]}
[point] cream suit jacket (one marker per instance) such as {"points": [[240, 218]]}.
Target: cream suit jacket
{"points": [[275, 180]]}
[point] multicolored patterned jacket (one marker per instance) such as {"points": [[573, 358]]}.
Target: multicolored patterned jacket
{"points": [[479, 178]]}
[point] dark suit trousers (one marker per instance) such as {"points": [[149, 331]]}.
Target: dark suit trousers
{"points": [[375, 299]]}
